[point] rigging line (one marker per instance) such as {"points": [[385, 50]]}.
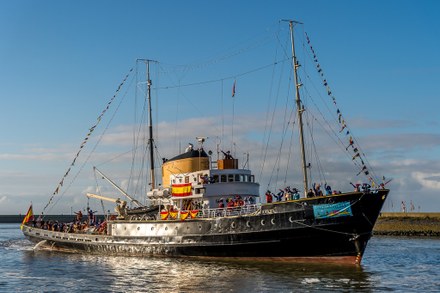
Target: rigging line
{"points": [[85, 141], [223, 113], [223, 78], [232, 124], [328, 126], [334, 102], [136, 135], [318, 92], [286, 122], [269, 130], [97, 143], [175, 79], [318, 160], [99, 192], [331, 112], [313, 146], [198, 110], [292, 121], [344, 151], [267, 126], [191, 67]]}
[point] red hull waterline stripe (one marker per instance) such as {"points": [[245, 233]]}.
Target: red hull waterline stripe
{"points": [[339, 260]]}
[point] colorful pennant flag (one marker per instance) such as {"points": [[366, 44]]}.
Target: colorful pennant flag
{"points": [[29, 217]]}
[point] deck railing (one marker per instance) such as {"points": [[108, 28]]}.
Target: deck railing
{"points": [[228, 211]]}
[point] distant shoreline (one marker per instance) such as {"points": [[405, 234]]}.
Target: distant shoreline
{"points": [[391, 224], [408, 224], [19, 218]]}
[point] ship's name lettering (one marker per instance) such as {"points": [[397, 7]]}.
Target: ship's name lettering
{"points": [[268, 211]]}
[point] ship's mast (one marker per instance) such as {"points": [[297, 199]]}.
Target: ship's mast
{"points": [[299, 107], [150, 127]]}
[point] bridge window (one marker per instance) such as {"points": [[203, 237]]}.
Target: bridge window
{"points": [[200, 190], [223, 178], [230, 177]]}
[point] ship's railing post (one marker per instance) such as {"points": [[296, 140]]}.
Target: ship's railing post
{"points": [[225, 212]]}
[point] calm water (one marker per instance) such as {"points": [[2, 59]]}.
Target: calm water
{"points": [[390, 264]]}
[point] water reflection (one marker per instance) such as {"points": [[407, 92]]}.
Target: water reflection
{"points": [[390, 264], [114, 273]]}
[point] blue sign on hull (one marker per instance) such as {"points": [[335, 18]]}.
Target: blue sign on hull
{"points": [[333, 210]]}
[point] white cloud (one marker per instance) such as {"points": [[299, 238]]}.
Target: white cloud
{"points": [[427, 180]]}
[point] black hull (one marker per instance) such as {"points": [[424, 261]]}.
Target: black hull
{"points": [[285, 231]]}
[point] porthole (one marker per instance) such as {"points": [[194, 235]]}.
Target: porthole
{"points": [[138, 228], [166, 228], [248, 224], [291, 220], [152, 228], [263, 222], [272, 221], [233, 225]]}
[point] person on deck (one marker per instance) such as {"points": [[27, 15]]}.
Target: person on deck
{"points": [[279, 196], [269, 196], [79, 215], [91, 216], [221, 203], [317, 189], [295, 194], [227, 155], [328, 189], [356, 186]]}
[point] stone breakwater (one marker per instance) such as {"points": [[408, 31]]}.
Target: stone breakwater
{"points": [[408, 224]]}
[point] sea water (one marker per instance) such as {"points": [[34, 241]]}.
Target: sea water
{"points": [[390, 264]]}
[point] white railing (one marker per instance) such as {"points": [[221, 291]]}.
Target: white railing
{"points": [[228, 211]]}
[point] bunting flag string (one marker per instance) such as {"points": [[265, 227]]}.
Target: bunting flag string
{"points": [[356, 155], [91, 129]]}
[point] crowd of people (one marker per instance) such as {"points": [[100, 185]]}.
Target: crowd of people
{"points": [[289, 193], [235, 202], [286, 194], [91, 224], [293, 193]]}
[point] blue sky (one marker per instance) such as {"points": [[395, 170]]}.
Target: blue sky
{"points": [[61, 61]]}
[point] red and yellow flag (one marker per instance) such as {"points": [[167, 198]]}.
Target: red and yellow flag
{"points": [[184, 215], [181, 189], [193, 213], [29, 217], [173, 214], [164, 215]]}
